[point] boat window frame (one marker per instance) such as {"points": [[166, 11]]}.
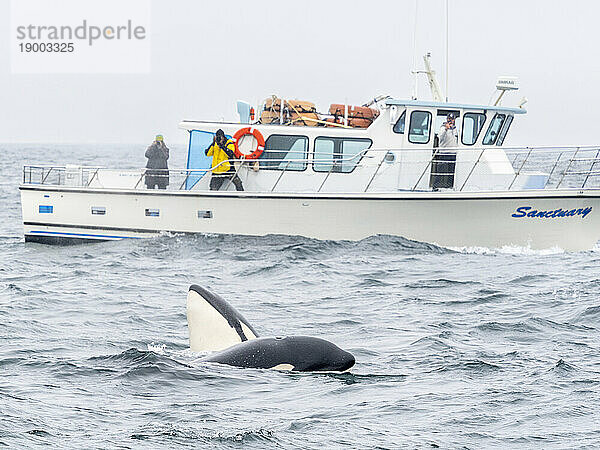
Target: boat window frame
{"points": [[340, 138], [429, 126], [306, 154], [403, 118], [462, 132], [490, 129], [504, 131]]}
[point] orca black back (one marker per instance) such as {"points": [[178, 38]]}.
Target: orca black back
{"points": [[297, 353]]}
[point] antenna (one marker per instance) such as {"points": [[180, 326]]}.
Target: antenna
{"points": [[447, 60], [414, 62], [505, 84]]}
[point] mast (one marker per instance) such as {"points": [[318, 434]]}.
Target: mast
{"points": [[447, 46], [436, 92], [414, 71]]}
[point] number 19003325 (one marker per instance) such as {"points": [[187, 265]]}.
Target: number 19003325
{"points": [[47, 47]]}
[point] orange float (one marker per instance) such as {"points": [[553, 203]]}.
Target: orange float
{"points": [[259, 139]]}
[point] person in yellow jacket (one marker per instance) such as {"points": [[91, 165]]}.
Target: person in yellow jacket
{"points": [[222, 150]]}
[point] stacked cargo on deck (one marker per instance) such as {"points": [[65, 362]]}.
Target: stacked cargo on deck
{"points": [[304, 113], [295, 112], [358, 116]]}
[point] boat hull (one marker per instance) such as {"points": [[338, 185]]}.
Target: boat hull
{"points": [[537, 219]]}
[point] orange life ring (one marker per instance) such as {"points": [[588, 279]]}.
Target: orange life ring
{"points": [[259, 139]]}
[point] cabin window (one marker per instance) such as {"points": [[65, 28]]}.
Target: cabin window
{"points": [[472, 126], [491, 135], [338, 154], [420, 127], [98, 210], [504, 131], [150, 212], [284, 152], [399, 126]]}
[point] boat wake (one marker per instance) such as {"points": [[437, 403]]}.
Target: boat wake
{"points": [[509, 250]]}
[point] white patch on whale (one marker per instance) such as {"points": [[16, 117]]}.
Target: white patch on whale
{"points": [[286, 367], [209, 330]]}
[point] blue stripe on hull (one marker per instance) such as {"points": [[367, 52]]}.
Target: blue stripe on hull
{"points": [[81, 235]]}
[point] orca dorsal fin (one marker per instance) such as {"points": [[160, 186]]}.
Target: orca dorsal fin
{"points": [[213, 323]]}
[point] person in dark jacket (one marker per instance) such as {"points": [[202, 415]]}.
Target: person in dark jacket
{"points": [[222, 150], [157, 173]]}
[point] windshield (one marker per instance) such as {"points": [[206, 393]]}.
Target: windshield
{"points": [[493, 130]]}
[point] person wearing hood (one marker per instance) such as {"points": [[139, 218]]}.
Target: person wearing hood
{"points": [[157, 173], [222, 151], [448, 133], [443, 165]]}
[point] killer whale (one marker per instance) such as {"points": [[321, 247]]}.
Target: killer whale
{"points": [[215, 325]]}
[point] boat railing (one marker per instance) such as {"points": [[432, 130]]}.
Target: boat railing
{"points": [[567, 167], [575, 167]]}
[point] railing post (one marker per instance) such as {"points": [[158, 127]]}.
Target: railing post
{"points": [[472, 169], [435, 152], [280, 175], [184, 182], [553, 168], [47, 175], [140, 179], [328, 173], [518, 172], [514, 161], [568, 167], [591, 168], [92, 178], [230, 179], [375, 173]]}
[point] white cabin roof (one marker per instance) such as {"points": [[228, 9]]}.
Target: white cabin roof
{"points": [[442, 105]]}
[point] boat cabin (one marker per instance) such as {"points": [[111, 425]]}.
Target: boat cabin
{"points": [[418, 123], [398, 151]]}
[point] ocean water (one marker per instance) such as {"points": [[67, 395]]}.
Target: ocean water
{"points": [[455, 348]]}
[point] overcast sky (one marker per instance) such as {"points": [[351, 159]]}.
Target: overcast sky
{"points": [[208, 54]]}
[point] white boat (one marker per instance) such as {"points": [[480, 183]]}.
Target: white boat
{"points": [[327, 180]]}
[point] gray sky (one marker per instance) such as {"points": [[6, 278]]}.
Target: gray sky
{"points": [[208, 54]]}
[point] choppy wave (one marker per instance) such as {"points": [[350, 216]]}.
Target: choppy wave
{"points": [[509, 250], [455, 347]]}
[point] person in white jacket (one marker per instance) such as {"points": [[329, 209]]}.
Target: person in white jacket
{"points": [[448, 133], [444, 162]]}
